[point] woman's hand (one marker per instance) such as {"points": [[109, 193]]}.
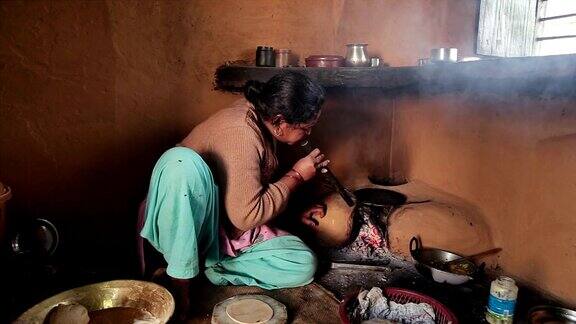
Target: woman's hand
{"points": [[307, 165], [310, 216]]}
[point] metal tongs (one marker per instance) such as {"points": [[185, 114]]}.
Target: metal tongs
{"points": [[346, 194]]}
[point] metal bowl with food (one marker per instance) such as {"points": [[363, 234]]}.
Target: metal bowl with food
{"points": [[435, 264], [141, 295], [550, 314]]}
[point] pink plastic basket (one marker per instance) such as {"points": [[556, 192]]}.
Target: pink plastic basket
{"points": [[402, 296]]}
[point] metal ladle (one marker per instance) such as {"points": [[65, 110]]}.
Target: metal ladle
{"points": [[346, 194]]}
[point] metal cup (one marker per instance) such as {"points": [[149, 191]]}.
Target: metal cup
{"points": [[282, 58]]}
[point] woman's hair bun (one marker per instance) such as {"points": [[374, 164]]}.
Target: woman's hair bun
{"points": [[252, 91], [290, 94]]}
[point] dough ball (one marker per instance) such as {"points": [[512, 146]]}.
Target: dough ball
{"points": [[68, 314]]}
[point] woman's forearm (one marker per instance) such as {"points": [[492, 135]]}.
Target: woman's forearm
{"points": [[292, 179], [258, 212]]}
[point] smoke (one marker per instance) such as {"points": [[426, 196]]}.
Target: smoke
{"points": [[354, 132]]}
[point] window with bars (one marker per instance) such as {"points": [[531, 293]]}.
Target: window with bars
{"points": [[510, 28], [556, 27]]}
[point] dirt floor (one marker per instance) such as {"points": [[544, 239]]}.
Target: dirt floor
{"points": [[25, 284]]}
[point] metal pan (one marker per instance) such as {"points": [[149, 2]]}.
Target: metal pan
{"points": [[429, 261]]}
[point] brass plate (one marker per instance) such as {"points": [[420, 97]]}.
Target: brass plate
{"points": [[144, 295]]}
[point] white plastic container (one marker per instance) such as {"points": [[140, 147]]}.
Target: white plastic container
{"points": [[502, 301]]}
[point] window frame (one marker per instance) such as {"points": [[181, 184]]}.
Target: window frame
{"points": [[509, 29], [540, 11]]}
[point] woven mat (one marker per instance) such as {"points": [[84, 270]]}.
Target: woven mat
{"points": [[308, 304]]}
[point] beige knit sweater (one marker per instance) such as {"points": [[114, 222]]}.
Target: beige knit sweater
{"points": [[241, 154]]}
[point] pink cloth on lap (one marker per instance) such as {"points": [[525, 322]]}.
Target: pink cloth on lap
{"points": [[254, 236]]}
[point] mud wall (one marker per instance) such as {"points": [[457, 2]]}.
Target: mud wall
{"points": [[92, 92], [512, 156]]}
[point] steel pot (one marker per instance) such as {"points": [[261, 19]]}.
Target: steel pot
{"points": [[356, 55], [429, 260]]}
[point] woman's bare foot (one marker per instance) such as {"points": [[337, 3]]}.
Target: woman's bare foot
{"points": [[180, 288]]}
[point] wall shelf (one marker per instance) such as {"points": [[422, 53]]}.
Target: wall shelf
{"points": [[555, 75]]}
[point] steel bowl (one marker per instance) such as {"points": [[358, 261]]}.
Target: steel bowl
{"points": [[38, 237], [429, 260], [143, 295], [551, 314]]}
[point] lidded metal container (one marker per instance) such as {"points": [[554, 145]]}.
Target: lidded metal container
{"points": [[265, 56]]}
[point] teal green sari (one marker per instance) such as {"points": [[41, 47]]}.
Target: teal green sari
{"points": [[182, 223]]}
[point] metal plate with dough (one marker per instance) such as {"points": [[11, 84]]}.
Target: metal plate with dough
{"points": [[249, 309]]}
